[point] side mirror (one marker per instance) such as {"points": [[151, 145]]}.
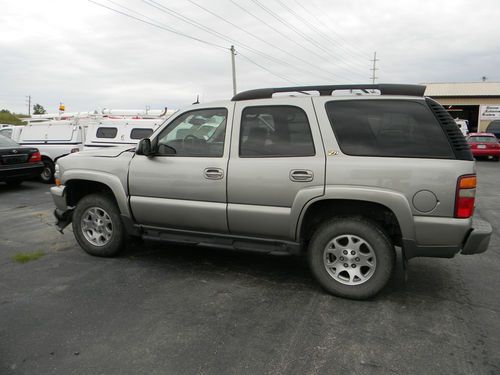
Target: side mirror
{"points": [[144, 147]]}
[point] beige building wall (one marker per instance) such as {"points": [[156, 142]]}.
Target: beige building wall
{"points": [[482, 124]]}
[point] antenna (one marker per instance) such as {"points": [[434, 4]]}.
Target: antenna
{"points": [[197, 99]]}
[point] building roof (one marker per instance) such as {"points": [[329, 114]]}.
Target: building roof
{"points": [[472, 89]]}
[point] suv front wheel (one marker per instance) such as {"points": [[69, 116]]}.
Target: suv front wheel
{"points": [[97, 225], [351, 257]]}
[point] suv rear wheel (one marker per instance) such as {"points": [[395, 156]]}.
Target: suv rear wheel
{"points": [[351, 257], [97, 225]]}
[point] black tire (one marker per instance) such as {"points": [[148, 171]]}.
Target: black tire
{"points": [[14, 182], [47, 175], [373, 238], [106, 203]]}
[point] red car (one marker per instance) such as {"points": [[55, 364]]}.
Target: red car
{"points": [[484, 145]]}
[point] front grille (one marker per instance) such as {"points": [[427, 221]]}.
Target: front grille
{"points": [[457, 140]]}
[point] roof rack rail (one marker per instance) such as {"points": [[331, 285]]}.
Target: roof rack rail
{"points": [[384, 88]]}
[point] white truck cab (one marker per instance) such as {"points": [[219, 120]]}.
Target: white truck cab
{"points": [[12, 132]]}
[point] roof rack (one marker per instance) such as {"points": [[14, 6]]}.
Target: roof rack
{"points": [[384, 88]]}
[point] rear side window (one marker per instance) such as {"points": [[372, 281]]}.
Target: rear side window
{"points": [[275, 131], [140, 133], [387, 128], [106, 132]]}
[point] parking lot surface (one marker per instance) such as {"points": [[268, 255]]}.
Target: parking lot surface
{"points": [[165, 309]]}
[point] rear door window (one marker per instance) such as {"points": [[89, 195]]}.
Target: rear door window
{"points": [[275, 131], [396, 128], [106, 132]]}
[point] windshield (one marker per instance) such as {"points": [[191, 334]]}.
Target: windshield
{"points": [[7, 142]]}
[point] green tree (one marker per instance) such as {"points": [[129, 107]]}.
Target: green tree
{"points": [[38, 109]]}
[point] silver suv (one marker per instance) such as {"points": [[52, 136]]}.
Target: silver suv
{"points": [[342, 179]]}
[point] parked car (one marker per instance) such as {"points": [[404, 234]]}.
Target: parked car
{"points": [[342, 179], [484, 145], [463, 125], [12, 132], [54, 139], [494, 128], [18, 163]]}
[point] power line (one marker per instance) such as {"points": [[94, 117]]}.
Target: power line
{"points": [[177, 15], [298, 32], [327, 26], [165, 28], [261, 39], [287, 37], [345, 53], [267, 70], [170, 30]]}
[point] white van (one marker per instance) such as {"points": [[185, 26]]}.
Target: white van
{"points": [[54, 139], [12, 132], [463, 125], [120, 132]]}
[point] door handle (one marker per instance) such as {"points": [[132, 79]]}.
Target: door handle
{"points": [[213, 173], [301, 175]]}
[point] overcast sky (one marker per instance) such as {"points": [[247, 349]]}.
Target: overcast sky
{"points": [[89, 57]]}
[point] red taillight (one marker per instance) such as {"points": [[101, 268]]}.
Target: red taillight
{"points": [[35, 157], [465, 196]]}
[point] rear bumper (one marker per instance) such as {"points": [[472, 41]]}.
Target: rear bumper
{"points": [[479, 238], [486, 152], [18, 172], [476, 241]]}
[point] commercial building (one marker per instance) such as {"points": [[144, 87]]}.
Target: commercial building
{"points": [[477, 102]]}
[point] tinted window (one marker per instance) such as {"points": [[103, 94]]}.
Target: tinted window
{"points": [[387, 128], [140, 133], [195, 133], [483, 139], [493, 126], [275, 131], [106, 132]]}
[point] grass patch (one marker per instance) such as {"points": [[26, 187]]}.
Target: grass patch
{"points": [[27, 257]]}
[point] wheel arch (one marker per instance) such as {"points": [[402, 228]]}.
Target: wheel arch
{"points": [[388, 209], [79, 184]]}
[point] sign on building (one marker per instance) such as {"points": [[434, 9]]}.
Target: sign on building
{"points": [[489, 112]]}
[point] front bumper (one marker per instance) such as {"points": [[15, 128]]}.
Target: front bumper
{"points": [[62, 213]]}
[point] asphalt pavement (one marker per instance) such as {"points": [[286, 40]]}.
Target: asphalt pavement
{"points": [[165, 309]]}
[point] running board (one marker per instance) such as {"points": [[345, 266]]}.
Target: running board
{"points": [[221, 241]]}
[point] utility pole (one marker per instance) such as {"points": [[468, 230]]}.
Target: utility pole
{"points": [[29, 105], [374, 68], [233, 53]]}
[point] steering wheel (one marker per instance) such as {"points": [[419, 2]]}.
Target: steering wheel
{"points": [[191, 137]]}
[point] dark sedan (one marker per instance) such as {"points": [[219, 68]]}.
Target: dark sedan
{"points": [[18, 163]]}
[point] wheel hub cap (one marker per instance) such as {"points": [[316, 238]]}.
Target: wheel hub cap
{"points": [[97, 227], [349, 259]]}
